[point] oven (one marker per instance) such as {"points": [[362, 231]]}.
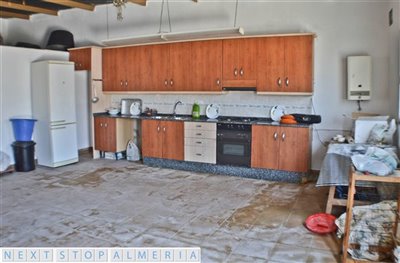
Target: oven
{"points": [[234, 144]]}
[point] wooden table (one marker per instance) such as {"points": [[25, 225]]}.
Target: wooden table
{"points": [[353, 178]]}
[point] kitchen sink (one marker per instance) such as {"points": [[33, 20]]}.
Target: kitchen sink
{"points": [[171, 117]]}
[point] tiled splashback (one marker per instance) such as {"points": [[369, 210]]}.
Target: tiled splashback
{"points": [[241, 103]]}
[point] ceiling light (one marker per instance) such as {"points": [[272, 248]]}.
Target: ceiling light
{"points": [[176, 36]]}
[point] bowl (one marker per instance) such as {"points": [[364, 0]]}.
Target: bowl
{"points": [[113, 111]]}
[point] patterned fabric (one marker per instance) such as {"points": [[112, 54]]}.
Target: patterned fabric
{"points": [[370, 225]]}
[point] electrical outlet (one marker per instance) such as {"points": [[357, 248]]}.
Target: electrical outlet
{"points": [[391, 17]]}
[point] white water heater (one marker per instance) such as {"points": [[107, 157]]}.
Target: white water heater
{"points": [[359, 77]]}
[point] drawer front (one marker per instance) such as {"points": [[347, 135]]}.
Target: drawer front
{"points": [[201, 154], [201, 134], [200, 142], [204, 126]]}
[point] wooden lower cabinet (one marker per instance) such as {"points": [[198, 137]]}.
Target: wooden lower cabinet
{"points": [[112, 134], [280, 148], [163, 139]]}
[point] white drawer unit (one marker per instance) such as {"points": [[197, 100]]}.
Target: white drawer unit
{"points": [[200, 142]]}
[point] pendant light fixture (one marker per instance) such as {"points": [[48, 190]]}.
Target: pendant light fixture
{"points": [[176, 36], [119, 4]]}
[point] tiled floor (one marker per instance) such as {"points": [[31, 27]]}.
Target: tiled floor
{"points": [[120, 203]]}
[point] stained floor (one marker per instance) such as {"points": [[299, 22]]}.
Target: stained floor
{"points": [[119, 203]]}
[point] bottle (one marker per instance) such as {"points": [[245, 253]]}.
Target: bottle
{"points": [[196, 111]]}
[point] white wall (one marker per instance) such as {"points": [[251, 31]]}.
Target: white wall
{"points": [[343, 28], [15, 87]]}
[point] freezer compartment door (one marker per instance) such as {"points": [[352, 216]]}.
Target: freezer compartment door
{"points": [[64, 144], [62, 94]]}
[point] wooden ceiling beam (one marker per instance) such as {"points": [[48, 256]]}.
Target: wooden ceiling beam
{"points": [[139, 2], [28, 8], [71, 3], [6, 14]]}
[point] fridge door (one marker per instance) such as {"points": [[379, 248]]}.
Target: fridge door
{"points": [[64, 144], [61, 94]]}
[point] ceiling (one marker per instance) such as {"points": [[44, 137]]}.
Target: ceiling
{"points": [[23, 9]]}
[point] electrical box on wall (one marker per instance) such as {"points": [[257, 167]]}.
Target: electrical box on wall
{"points": [[359, 77]]}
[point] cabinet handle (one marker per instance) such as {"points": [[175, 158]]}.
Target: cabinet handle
{"points": [[279, 82], [122, 83], [287, 82], [275, 136], [283, 136], [126, 83], [235, 72], [101, 124], [241, 72], [171, 82], [166, 83], [158, 128], [105, 125], [218, 82], [164, 129]]}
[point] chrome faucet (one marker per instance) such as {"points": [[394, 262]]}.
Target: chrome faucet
{"points": [[176, 104]]}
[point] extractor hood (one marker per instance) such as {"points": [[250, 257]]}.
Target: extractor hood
{"points": [[176, 36]]}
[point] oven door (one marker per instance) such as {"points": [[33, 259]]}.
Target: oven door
{"points": [[233, 152]]}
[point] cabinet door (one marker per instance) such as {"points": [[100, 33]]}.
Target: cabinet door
{"points": [[81, 57], [265, 147], [294, 149], [206, 65], [100, 142], [298, 63], [179, 66], [173, 140], [110, 69], [247, 62], [110, 134], [134, 68], [270, 64], [151, 139], [155, 68], [230, 57]]}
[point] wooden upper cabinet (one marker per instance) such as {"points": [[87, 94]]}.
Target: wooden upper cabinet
{"points": [[81, 57], [134, 69], [110, 69], [240, 62], [299, 63], [206, 66], [179, 66], [271, 57], [285, 64], [153, 60]]}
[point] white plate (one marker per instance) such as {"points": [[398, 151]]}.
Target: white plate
{"points": [[212, 111], [135, 108], [277, 112]]}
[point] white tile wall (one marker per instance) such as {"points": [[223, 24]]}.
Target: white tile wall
{"points": [[233, 103]]}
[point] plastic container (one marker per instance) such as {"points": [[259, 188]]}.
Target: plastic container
{"points": [[23, 129], [196, 111], [24, 155]]}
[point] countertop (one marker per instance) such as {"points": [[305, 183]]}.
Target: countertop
{"points": [[169, 117]]}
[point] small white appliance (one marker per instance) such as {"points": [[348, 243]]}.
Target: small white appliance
{"points": [[53, 105], [363, 126], [358, 77]]}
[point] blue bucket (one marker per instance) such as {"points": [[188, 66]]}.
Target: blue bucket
{"points": [[23, 129]]}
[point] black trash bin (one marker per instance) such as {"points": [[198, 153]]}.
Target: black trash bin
{"points": [[24, 155]]}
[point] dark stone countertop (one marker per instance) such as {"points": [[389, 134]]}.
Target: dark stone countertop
{"points": [[170, 117]]}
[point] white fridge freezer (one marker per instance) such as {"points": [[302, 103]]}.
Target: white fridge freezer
{"points": [[53, 105]]}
